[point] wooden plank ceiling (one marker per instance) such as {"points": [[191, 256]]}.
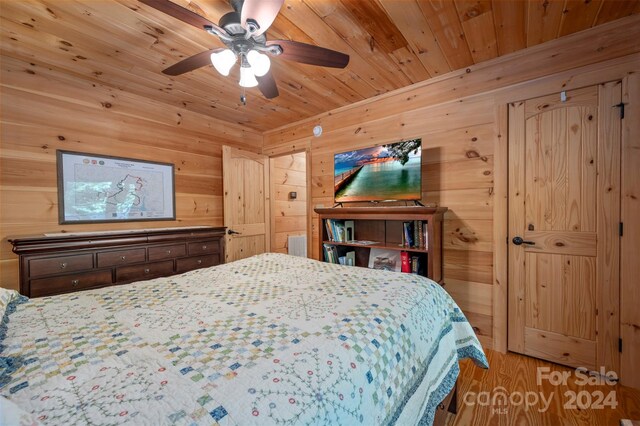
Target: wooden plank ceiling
{"points": [[392, 44]]}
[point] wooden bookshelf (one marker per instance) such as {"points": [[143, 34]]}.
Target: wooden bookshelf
{"points": [[384, 227]]}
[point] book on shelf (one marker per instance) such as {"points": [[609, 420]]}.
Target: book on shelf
{"points": [[425, 237], [330, 253], [415, 235], [327, 224], [339, 231], [404, 258], [325, 250], [407, 235], [415, 264]]}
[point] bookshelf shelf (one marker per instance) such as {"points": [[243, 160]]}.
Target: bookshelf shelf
{"points": [[384, 228], [381, 246]]}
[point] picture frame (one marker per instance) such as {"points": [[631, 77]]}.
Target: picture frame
{"points": [[387, 260], [99, 188]]}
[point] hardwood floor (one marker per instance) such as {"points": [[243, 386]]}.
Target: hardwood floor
{"points": [[533, 393]]}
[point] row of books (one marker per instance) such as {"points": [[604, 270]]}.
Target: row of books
{"points": [[340, 230], [415, 235], [331, 256], [410, 263], [390, 260]]}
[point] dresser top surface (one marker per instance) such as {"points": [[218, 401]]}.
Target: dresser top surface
{"points": [[120, 232]]}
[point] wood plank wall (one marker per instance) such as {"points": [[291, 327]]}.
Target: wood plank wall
{"points": [[461, 118], [289, 217], [44, 109], [458, 142]]}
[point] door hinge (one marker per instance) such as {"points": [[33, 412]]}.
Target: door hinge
{"points": [[621, 229], [621, 106], [620, 345]]}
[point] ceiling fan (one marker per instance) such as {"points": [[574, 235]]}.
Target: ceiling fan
{"points": [[243, 33]]}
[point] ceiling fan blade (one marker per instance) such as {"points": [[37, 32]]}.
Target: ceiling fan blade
{"points": [[264, 12], [310, 54], [185, 15], [191, 63], [267, 86]]}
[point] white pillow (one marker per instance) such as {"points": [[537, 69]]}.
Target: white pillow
{"points": [[6, 297]]}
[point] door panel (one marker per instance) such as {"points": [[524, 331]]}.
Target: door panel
{"points": [[246, 202], [560, 295], [553, 346], [563, 200]]}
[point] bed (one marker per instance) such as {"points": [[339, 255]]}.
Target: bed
{"points": [[272, 339]]}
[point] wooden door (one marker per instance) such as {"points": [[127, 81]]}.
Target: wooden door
{"points": [[246, 203], [564, 204]]}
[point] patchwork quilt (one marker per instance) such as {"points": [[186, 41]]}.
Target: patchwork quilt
{"points": [[271, 340]]}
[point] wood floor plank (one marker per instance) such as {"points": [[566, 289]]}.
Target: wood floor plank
{"points": [[513, 374]]}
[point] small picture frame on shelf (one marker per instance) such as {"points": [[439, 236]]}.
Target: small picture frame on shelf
{"points": [[387, 260]]}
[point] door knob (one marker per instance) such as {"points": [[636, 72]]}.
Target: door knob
{"points": [[231, 232], [518, 241]]}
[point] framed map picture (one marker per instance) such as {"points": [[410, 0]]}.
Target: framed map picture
{"points": [[95, 188]]}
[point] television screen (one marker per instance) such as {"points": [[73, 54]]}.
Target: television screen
{"points": [[390, 172]]}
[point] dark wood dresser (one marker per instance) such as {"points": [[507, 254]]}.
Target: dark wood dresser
{"points": [[59, 263]]}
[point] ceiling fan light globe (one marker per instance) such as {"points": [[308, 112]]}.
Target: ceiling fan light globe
{"points": [[223, 61], [247, 78], [259, 62]]}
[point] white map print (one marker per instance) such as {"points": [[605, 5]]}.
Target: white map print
{"points": [[114, 189]]}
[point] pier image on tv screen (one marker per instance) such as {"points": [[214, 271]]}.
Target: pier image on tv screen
{"points": [[389, 172]]}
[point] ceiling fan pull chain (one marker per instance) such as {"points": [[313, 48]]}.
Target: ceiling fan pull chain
{"points": [[243, 97]]}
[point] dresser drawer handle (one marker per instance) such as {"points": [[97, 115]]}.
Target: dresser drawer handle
{"points": [[204, 247], [146, 270], [63, 265], [199, 261], [123, 258], [75, 282], [168, 251]]}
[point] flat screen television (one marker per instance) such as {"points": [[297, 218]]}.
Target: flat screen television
{"points": [[391, 172]]}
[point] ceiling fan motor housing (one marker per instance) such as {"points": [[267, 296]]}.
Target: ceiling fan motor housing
{"points": [[231, 22], [240, 42]]}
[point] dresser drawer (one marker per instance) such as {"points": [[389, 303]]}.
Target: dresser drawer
{"points": [[144, 272], [204, 247], [189, 263], [57, 265], [121, 257], [68, 283], [167, 252]]}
